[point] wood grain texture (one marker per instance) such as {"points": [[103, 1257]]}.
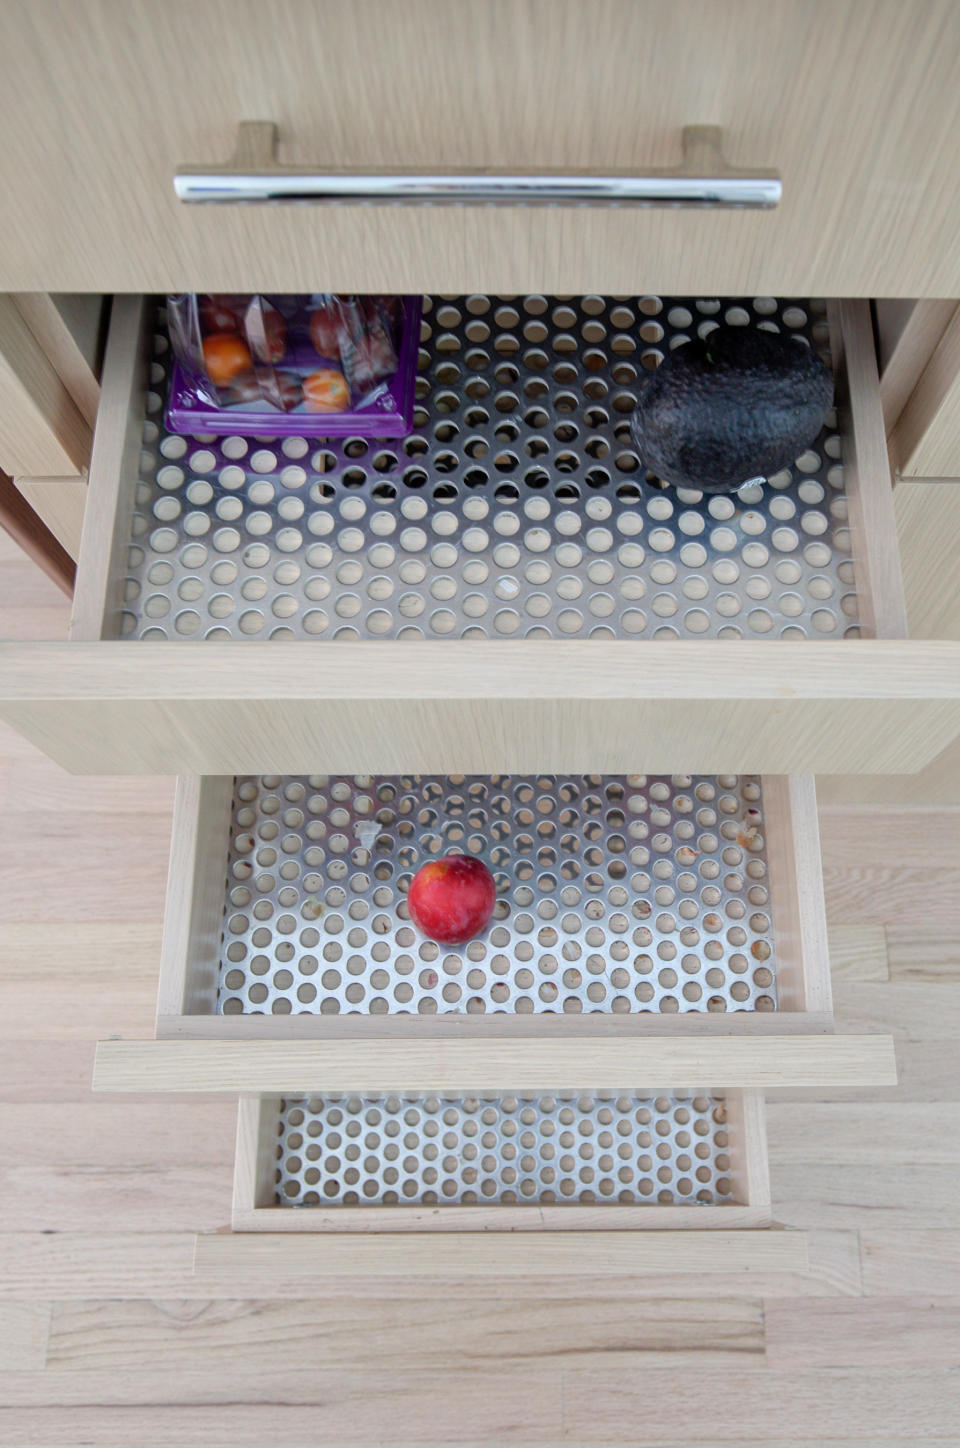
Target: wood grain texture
{"points": [[792, 833], [597, 1254], [24, 1329], [923, 955], [925, 440], [928, 523], [400, 1064], [67, 329], [858, 952], [29, 531], [873, 527], [42, 431], [482, 707], [855, 104], [880, 1332], [193, 913], [258, 1335], [891, 866], [60, 504], [905, 355], [903, 1262], [115, 458]]}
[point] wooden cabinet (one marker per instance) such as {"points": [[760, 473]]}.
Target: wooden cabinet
{"points": [[359, 655], [855, 104]]}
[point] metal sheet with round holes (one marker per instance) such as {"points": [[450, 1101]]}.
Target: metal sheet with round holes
{"points": [[383, 1150], [516, 508], [615, 894]]}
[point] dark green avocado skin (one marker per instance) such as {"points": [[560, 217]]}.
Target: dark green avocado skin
{"points": [[735, 405]]}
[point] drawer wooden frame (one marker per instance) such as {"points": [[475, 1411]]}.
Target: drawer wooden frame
{"points": [[101, 704], [522, 1062], [580, 1259], [193, 923], [254, 1211]]}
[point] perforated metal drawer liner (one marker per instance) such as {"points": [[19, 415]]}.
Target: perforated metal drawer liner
{"points": [[615, 894], [516, 509], [577, 1148]]}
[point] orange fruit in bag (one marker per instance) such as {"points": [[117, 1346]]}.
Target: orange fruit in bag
{"points": [[326, 391]]}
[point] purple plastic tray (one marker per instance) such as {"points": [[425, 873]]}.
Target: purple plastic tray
{"points": [[388, 415]]}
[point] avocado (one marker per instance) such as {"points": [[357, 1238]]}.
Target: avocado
{"points": [[735, 405]]}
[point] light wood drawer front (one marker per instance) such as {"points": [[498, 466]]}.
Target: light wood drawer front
{"points": [[626, 906], [330, 602], [563, 1161], [857, 106]]}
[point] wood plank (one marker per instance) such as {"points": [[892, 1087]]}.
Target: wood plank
{"points": [[42, 431], [898, 1332], [392, 1331], [508, 1405], [106, 1135], [928, 517], [865, 1197], [100, 973], [869, 493], [867, 1404], [56, 1265], [925, 441], [60, 504], [600, 1254], [193, 914], [28, 1067], [234, 1427], [255, 1067], [902, 1262], [638, 72], [24, 1328], [891, 867], [117, 866], [904, 361], [872, 705], [924, 955], [900, 1134], [858, 952], [141, 1200], [905, 1008], [29, 531], [67, 329]]}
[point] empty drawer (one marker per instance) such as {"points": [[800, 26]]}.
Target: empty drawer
{"points": [[499, 1162]]}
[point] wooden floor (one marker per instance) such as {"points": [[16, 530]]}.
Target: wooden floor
{"points": [[106, 1339]]}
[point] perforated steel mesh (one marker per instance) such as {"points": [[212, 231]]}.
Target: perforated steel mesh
{"points": [[517, 508], [429, 1150], [615, 894]]}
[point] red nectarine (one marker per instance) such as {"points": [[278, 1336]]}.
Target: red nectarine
{"points": [[451, 899]]}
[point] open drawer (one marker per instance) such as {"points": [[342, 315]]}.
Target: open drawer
{"points": [[569, 1161], [626, 904], [503, 589]]}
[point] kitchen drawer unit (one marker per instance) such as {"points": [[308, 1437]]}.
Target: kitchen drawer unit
{"points": [[498, 1162], [504, 589], [625, 903]]}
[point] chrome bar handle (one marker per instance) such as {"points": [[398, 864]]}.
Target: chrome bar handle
{"points": [[703, 178]]}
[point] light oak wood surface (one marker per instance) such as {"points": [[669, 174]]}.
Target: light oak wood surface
{"points": [[398, 1063], [141, 1350], [42, 430], [60, 503], [925, 439], [480, 707], [855, 103]]}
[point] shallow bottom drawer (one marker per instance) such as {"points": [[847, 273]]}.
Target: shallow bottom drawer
{"points": [[501, 1162]]}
